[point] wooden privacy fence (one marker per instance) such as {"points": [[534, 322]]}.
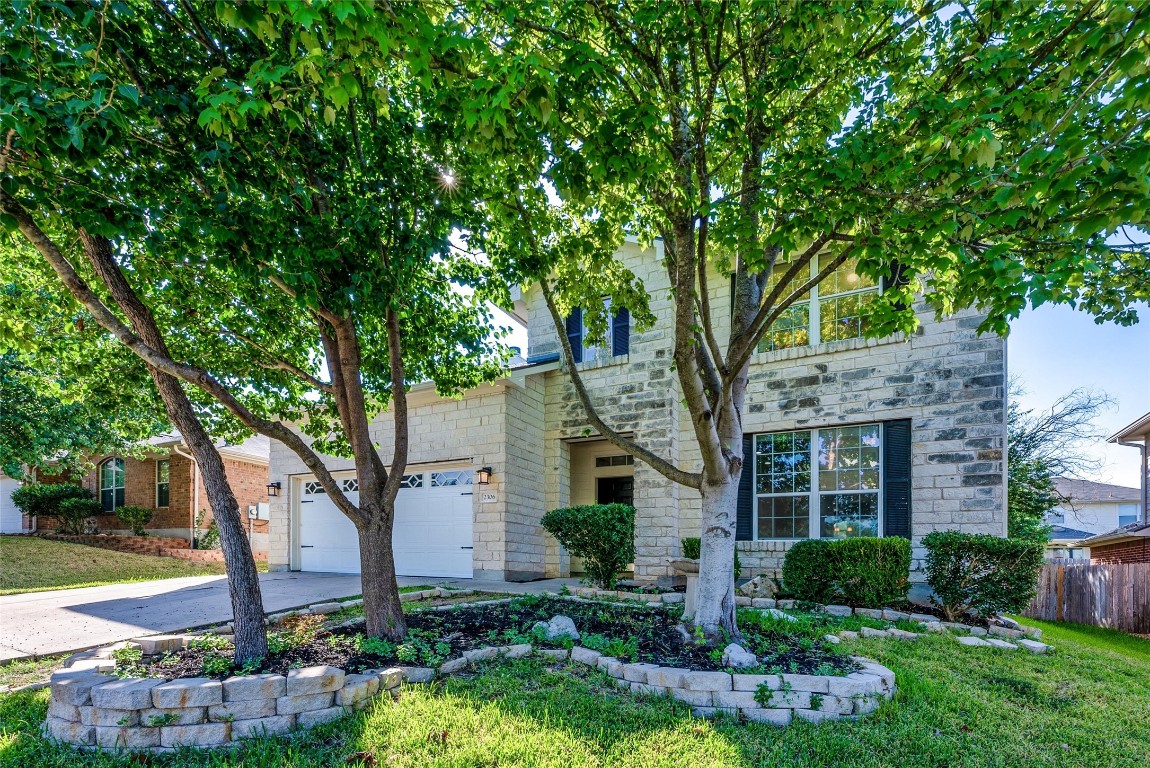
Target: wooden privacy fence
{"points": [[1114, 596]]}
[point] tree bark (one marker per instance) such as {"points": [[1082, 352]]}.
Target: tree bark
{"points": [[715, 599], [243, 578], [382, 609]]}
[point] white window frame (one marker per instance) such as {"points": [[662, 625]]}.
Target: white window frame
{"points": [[814, 511], [814, 311], [100, 487], [168, 483]]}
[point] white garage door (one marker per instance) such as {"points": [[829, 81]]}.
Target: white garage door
{"points": [[10, 519], [431, 535]]}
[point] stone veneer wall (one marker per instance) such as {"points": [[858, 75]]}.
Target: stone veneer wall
{"points": [[947, 379], [496, 425]]}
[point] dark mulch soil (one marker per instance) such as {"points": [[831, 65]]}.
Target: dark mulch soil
{"points": [[436, 636]]}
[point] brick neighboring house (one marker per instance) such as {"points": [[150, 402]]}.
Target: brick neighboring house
{"points": [[894, 436], [167, 481]]}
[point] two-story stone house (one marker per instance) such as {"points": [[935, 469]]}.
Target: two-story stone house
{"points": [[896, 436]]}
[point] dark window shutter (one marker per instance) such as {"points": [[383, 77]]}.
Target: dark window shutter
{"points": [[575, 333], [621, 333], [898, 278], [745, 515], [896, 442]]}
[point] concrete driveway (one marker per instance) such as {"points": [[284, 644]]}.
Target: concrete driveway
{"points": [[45, 623], [68, 620]]}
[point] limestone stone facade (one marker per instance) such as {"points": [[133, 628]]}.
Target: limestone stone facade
{"points": [[946, 379]]}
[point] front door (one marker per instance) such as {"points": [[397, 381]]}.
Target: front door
{"points": [[615, 490]]}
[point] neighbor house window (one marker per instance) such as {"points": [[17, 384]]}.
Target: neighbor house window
{"points": [[1127, 513], [163, 482], [833, 310], [111, 476], [819, 483]]}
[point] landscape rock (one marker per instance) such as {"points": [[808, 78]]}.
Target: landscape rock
{"points": [[754, 682], [1001, 644], [832, 639], [777, 614], [127, 738], [126, 693], [188, 692], [248, 687], [1034, 646], [872, 632], [309, 680], [972, 642], [308, 702], [417, 674], [738, 657], [319, 716], [779, 717], [838, 610], [154, 718], [559, 626], [69, 732], [205, 735], [758, 587]]}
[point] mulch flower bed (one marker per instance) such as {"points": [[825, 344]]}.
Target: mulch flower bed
{"points": [[632, 634]]}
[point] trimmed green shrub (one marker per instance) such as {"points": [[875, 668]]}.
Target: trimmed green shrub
{"points": [[871, 572], [693, 550], [43, 499], [53, 500], [981, 574], [135, 518], [603, 535], [807, 571], [74, 512], [864, 571]]}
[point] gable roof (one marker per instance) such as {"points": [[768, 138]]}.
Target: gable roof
{"points": [[1139, 429], [1087, 491]]}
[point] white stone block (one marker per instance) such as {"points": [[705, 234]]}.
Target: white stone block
{"points": [[754, 682], [734, 699], [1034, 646], [778, 717], [318, 717], [357, 689], [637, 672], [204, 735], [692, 698], [69, 732], [417, 674], [126, 693], [127, 738], [250, 687], [308, 702], [188, 692], [263, 726], [309, 680], [667, 677], [241, 710], [585, 655], [154, 718], [810, 683], [75, 688], [707, 681]]}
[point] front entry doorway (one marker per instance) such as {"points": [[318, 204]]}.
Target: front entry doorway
{"points": [[615, 490]]}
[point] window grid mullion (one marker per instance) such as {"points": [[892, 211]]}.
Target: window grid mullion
{"points": [[814, 334]]}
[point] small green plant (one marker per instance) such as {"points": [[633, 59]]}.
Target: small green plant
{"points": [[207, 537], [215, 665], [375, 646], [603, 535], [158, 721], [135, 518], [763, 695], [626, 650], [816, 701], [208, 642], [252, 666]]}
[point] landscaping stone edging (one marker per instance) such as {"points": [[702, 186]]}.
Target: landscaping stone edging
{"points": [[90, 709]]}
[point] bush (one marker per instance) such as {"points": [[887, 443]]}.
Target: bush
{"points": [[864, 571], [807, 571], [871, 572], [981, 574], [603, 535], [693, 549], [209, 537], [43, 499], [135, 518], [73, 512]]}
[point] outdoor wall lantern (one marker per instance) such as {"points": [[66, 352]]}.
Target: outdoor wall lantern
{"points": [[274, 489], [483, 476]]}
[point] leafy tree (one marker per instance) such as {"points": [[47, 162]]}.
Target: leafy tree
{"points": [[1043, 446], [266, 196], [983, 155]]}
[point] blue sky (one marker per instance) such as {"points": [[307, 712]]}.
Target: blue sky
{"points": [[1052, 350]]}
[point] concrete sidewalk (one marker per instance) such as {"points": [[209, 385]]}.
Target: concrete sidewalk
{"points": [[69, 620]]}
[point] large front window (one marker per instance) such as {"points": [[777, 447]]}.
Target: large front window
{"points": [[112, 484], [820, 483], [833, 310]]}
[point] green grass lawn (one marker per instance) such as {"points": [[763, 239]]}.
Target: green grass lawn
{"points": [[31, 564], [1086, 705]]}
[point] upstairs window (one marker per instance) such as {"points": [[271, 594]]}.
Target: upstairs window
{"points": [[1127, 514], [618, 336], [831, 311], [163, 482], [111, 477]]}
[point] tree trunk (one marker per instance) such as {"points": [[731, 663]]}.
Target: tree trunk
{"points": [[251, 641], [382, 609], [715, 599]]}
